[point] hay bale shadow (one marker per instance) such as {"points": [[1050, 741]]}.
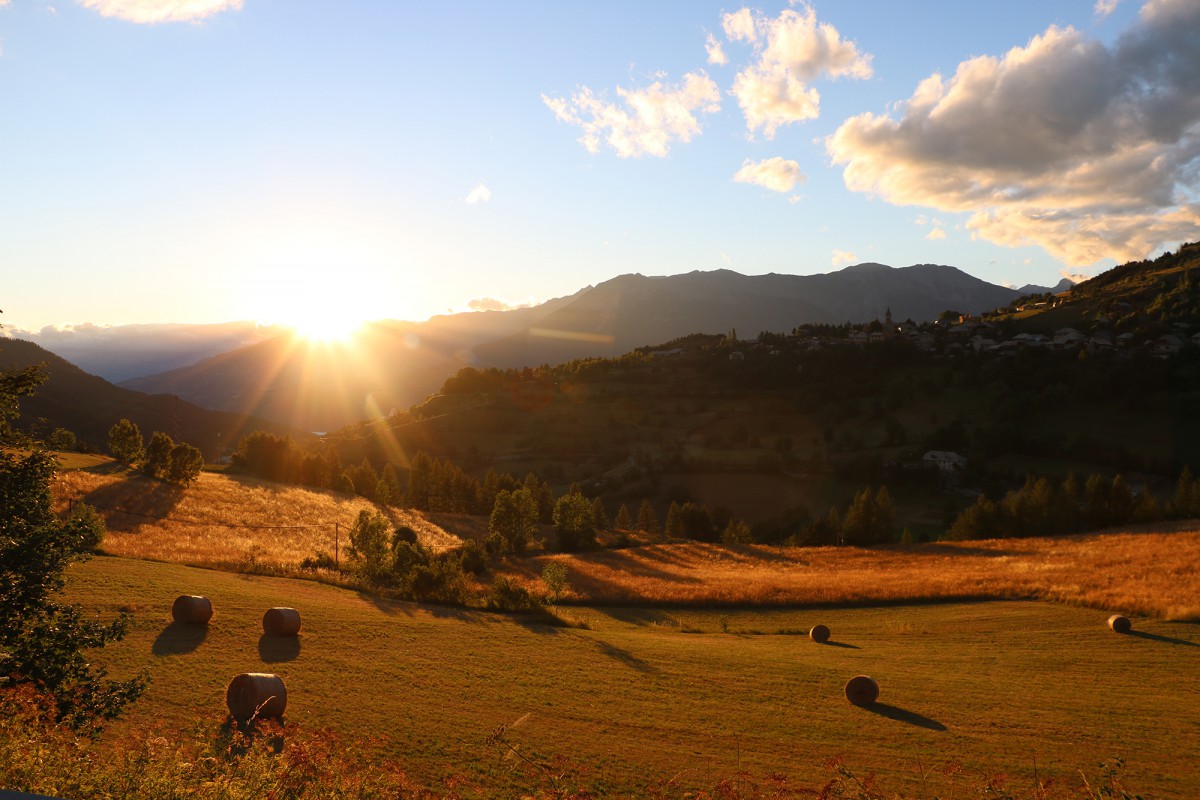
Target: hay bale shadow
{"points": [[832, 643], [274, 649], [179, 638], [1154, 637], [903, 715]]}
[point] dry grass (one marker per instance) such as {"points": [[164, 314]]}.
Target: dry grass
{"points": [[222, 521], [1155, 572], [246, 524]]}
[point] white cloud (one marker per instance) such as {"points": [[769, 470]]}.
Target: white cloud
{"points": [[649, 120], [480, 194], [155, 11], [1087, 150], [739, 26], [776, 174], [716, 54], [791, 51], [495, 304], [1105, 7], [843, 257], [936, 234]]}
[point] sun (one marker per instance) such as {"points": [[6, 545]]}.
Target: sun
{"points": [[325, 328]]}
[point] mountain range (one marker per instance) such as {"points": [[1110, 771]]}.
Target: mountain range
{"points": [[391, 365], [87, 405]]}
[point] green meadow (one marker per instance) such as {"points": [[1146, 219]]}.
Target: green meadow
{"points": [[642, 697]]}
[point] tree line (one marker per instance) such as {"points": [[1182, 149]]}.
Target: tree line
{"points": [[1043, 508], [163, 458]]}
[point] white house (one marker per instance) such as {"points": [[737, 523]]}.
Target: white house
{"points": [[945, 460]]}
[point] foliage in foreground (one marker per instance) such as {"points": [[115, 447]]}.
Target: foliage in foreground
{"points": [[216, 762], [42, 639]]}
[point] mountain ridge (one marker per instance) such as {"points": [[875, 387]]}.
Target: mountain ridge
{"points": [[405, 362]]}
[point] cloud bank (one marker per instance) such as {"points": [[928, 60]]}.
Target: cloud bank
{"points": [[149, 12], [1084, 149], [777, 174], [646, 121]]}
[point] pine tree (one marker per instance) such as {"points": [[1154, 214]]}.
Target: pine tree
{"points": [[647, 520], [674, 522], [420, 473], [599, 515], [623, 522]]}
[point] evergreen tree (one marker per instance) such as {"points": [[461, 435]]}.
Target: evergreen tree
{"points": [[391, 480], [419, 477], [344, 484], [674, 527], [858, 525], [736, 532], [1186, 501], [833, 523], [980, 520], [599, 515], [623, 521], [884, 517], [647, 520]]}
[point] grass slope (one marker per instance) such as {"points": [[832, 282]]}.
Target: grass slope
{"points": [[637, 699], [224, 521]]}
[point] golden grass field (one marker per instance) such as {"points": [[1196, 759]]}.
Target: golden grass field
{"points": [[222, 521], [1155, 572], [239, 523]]}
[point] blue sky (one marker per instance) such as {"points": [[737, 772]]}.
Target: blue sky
{"points": [[211, 160]]}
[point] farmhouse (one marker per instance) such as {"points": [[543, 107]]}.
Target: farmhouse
{"points": [[945, 460]]}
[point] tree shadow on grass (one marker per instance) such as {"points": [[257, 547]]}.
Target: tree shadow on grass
{"points": [[179, 638], [1154, 637], [409, 608], [274, 649], [135, 501], [902, 715], [625, 657]]}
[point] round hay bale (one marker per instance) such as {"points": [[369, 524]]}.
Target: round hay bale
{"points": [[1120, 624], [281, 621], [256, 694], [862, 690], [819, 634], [191, 609]]}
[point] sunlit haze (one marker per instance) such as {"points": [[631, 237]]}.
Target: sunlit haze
{"points": [[319, 165]]}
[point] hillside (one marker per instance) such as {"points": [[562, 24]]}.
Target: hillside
{"points": [[394, 365], [222, 521], [88, 406], [248, 525], [1144, 298]]}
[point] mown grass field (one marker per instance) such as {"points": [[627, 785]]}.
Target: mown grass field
{"points": [[652, 695]]}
